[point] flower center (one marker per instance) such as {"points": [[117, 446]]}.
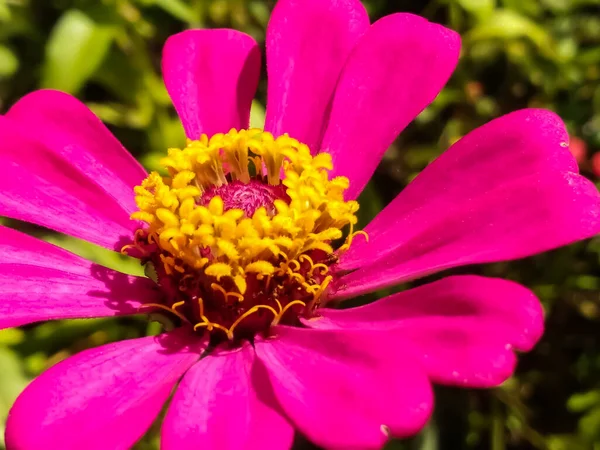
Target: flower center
{"points": [[246, 196], [240, 235]]}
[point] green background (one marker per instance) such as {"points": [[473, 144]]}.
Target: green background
{"points": [[516, 53]]}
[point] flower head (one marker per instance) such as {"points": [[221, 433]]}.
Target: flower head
{"points": [[250, 236], [240, 233]]}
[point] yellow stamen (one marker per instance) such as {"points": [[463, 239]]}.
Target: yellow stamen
{"points": [[284, 310], [317, 209], [279, 306], [246, 314], [210, 326], [307, 258], [166, 308], [318, 291], [324, 268], [177, 305], [201, 236], [218, 287]]}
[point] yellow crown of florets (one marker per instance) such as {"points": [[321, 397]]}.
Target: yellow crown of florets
{"points": [[226, 243]]}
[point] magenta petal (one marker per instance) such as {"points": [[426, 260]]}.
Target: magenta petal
{"points": [[395, 71], [211, 76], [308, 42], [39, 281], [346, 389], [502, 151], [463, 351], [511, 305], [525, 216], [66, 126], [216, 407], [102, 398], [466, 350], [45, 187]]}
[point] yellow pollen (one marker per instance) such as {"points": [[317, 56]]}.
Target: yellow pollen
{"points": [[204, 239]]}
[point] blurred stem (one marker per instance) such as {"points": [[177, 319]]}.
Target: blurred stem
{"points": [[200, 7], [497, 435]]}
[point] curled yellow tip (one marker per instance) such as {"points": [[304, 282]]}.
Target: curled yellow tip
{"points": [[165, 308], [322, 267], [284, 310], [177, 305], [362, 233], [246, 314]]}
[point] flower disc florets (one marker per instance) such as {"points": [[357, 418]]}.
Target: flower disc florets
{"points": [[240, 233]]}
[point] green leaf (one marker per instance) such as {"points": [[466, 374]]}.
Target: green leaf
{"points": [[178, 9], [4, 12], [11, 336], [8, 62], [12, 382], [257, 115], [120, 74], [583, 401], [507, 25], [479, 8], [97, 254], [370, 206], [589, 424], [76, 47]]}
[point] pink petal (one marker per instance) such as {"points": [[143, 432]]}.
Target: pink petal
{"points": [[463, 329], [512, 305], [525, 216], [308, 42], [466, 350], [216, 407], [46, 188], [395, 71], [39, 281], [346, 389], [462, 351], [66, 126], [102, 398], [504, 150], [211, 76]]}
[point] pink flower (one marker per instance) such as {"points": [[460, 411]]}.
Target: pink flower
{"points": [[277, 359]]}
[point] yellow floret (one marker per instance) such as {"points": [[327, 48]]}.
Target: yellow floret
{"points": [[269, 242]]}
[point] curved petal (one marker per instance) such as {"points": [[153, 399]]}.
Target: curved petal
{"points": [[308, 42], [211, 76], [66, 126], [513, 306], [394, 72], [526, 216], [44, 187], [215, 397], [461, 351], [462, 329], [498, 153], [39, 281], [346, 389], [101, 398]]}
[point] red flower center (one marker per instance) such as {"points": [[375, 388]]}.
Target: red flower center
{"points": [[246, 196]]}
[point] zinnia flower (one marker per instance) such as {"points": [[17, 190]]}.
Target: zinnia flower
{"points": [[251, 237]]}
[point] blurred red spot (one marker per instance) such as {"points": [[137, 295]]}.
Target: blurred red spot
{"points": [[596, 164], [578, 149]]}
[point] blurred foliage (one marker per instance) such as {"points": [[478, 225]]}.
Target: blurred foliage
{"points": [[516, 53]]}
